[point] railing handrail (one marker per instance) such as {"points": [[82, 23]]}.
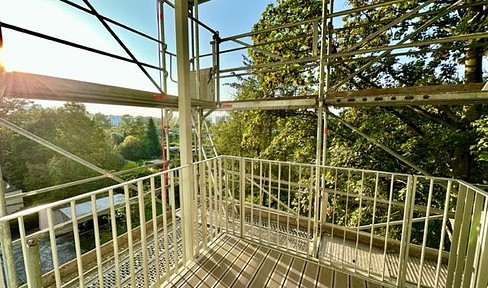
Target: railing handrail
{"points": [[315, 165], [39, 208]]}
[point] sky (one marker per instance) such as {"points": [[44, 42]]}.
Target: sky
{"points": [[34, 55]]}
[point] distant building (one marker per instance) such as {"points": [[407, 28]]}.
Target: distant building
{"points": [[62, 215], [115, 120], [15, 204]]}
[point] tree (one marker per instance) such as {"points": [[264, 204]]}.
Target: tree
{"points": [[29, 166], [445, 141], [151, 141], [102, 121], [132, 148], [454, 125]]}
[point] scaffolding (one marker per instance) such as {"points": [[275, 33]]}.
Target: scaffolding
{"points": [[194, 103]]}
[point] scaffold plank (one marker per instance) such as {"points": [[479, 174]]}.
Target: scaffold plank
{"points": [[32, 86], [402, 96]]}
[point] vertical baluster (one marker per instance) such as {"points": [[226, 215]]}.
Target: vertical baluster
{"points": [[426, 231], [54, 249], [232, 196], [348, 185], [335, 205], [361, 191], [251, 227], [261, 202], [155, 228], [115, 241], [129, 236], [390, 198], [220, 208], [299, 193], [288, 210], [210, 201], [96, 229], [242, 196], [203, 201], [310, 197], [377, 180], [216, 199], [269, 203], [462, 236], [472, 243], [443, 232], [225, 192], [76, 236], [173, 220], [406, 229], [164, 197], [482, 267], [196, 208], [323, 196], [25, 254], [278, 195]]}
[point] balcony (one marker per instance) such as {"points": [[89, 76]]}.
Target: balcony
{"points": [[257, 223]]}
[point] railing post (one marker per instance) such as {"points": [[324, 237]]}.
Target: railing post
{"points": [[6, 241], [242, 194], [34, 261], [406, 230]]}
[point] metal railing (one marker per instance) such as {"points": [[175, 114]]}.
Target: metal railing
{"points": [[394, 229], [134, 238], [390, 228]]}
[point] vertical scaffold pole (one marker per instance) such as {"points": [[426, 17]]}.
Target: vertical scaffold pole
{"points": [[184, 109], [165, 117], [6, 241], [329, 30], [320, 123]]}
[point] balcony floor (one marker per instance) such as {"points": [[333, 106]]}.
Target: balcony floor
{"points": [[233, 262], [228, 259]]}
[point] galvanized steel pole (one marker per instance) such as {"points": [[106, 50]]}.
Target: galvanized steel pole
{"points": [[184, 109]]}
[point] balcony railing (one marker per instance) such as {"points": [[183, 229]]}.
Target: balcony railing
{"points": [[393, 229]]}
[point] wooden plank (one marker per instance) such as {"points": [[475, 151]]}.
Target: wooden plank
{"points": [[180, 279], [325, 278], [281, 270], [341, 280], [221, 266], [206, 264], [250, 268], [267, 267], [356, 282], [373, 285], [309, 277], [295, 273], [235, 270]]}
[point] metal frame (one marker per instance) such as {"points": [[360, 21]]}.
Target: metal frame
{"points": [[470, 245]]}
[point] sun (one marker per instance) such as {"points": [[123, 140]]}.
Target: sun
{"points": [[4, 61]]}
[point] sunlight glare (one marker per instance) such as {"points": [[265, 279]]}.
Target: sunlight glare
{"points": [[4, 65]]}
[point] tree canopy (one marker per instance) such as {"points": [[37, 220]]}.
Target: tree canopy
{"points": [[443, 140]]}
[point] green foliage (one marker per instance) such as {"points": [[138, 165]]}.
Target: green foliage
{"points": [[480, 149], [444, 141], [132, 148], [102, 121], [30, 166], [151, 141]]}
